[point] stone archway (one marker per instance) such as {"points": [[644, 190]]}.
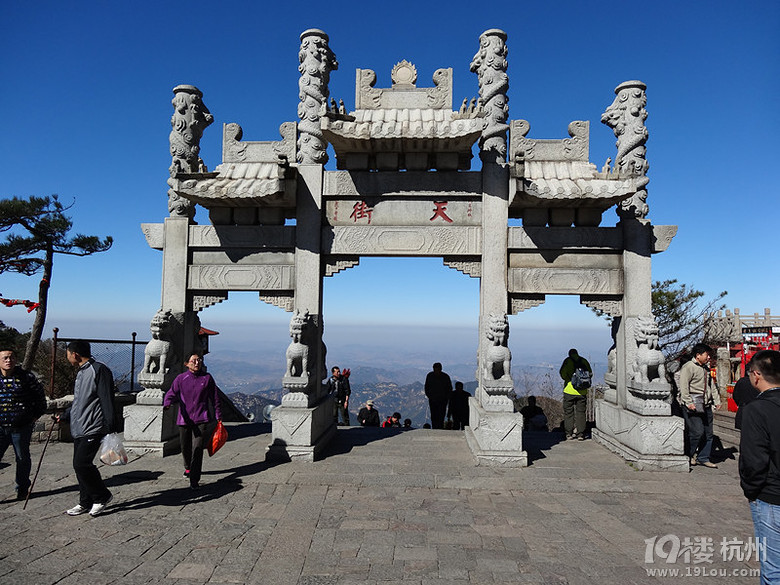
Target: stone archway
{"points": [[404, 187]]}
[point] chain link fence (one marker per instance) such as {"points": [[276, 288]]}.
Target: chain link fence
{"points": [[124, 357]]}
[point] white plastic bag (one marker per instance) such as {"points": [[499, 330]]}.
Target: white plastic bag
{"points": [[112, 451]]}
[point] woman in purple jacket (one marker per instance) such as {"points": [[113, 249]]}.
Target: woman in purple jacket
{"points": [[195, 391]]}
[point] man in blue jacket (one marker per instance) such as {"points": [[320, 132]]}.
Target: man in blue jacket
{"points": [[21, 402], [759, 460], [91, 418]]}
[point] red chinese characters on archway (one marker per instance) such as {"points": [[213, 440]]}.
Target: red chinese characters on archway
{"points": [[361, 210], [440, 211]]}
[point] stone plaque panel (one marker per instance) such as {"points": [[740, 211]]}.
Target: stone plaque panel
{"points": [[442, 185], [242, 277], [565, 260], [403, 212], [243, 236], [233, 257], [402, 241], [565, 281], [555, 238]]}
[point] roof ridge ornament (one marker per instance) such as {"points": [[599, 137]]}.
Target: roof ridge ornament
{"points": [[404, 75]]}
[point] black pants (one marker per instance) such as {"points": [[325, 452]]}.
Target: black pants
{"points": [[460, 421], [192, 439], [438, 411], [339, 408], [92, 490]]}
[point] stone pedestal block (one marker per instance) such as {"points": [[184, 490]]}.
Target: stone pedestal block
{"points": [[649, 442], [495, 438], [151, 430], [300, 433]]}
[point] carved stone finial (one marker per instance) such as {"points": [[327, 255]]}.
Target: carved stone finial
{"points": [[490, 66], [404, 74], [316, 63], [190, 118], [626, 116]]}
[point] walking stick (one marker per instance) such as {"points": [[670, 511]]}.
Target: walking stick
{"points": [[32, 485]]}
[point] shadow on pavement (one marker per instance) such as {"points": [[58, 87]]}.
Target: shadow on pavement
{"points": [[347, 438], [536, 442]]}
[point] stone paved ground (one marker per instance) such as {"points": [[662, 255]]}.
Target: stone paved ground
{"points": [[406, 507]]}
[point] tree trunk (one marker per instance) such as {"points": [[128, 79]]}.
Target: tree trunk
{"points": [[40, 312]]}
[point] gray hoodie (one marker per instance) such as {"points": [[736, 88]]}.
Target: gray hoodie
{"points": [[92, 412]]}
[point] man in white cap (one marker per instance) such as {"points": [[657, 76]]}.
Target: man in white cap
{"points": [[368, 415]]}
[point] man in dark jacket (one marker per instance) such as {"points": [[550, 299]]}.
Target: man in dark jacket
{"points": [[91, 418], [438, 389], [459, 408], [368, 415], [338, 384], [759, 459], [743, 393], [21, 402]]}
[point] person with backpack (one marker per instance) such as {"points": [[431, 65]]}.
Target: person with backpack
{"points": [[577, 375]]}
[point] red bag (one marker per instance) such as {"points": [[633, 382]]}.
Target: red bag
{"points": [[218, 439]]}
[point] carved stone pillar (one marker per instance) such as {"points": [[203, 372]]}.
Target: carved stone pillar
{"points": [[638, 425], [495, 431], [148, 428], [304, 424]]}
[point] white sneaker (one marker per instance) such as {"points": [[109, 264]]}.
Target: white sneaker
{"points": [[97, 509], [76, 510]]}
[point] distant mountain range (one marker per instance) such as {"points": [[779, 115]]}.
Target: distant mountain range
{"points": [[253, 385]]}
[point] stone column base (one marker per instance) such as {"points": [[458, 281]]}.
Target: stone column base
{"points": [[649, 442], [301, 433], [151, 430], [495, 438]]}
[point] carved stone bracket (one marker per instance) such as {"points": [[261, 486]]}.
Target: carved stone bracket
{"points": [[335, 265], [465, 264], [200, 302], [611, 305], [520, 303], [283, 301]]}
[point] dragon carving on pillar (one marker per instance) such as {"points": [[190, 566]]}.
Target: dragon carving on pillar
{"points": [[626, 116], [190, 118], [317, 61], [490, 66]]}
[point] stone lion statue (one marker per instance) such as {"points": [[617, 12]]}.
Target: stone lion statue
{"points": [[497, 356], [649, 365], [298, 350], [158, 349]]}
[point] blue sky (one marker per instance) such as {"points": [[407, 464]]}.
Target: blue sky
{"points": [[86, 110]]}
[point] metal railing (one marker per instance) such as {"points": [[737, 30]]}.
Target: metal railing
{"points": [[120, 355]]}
